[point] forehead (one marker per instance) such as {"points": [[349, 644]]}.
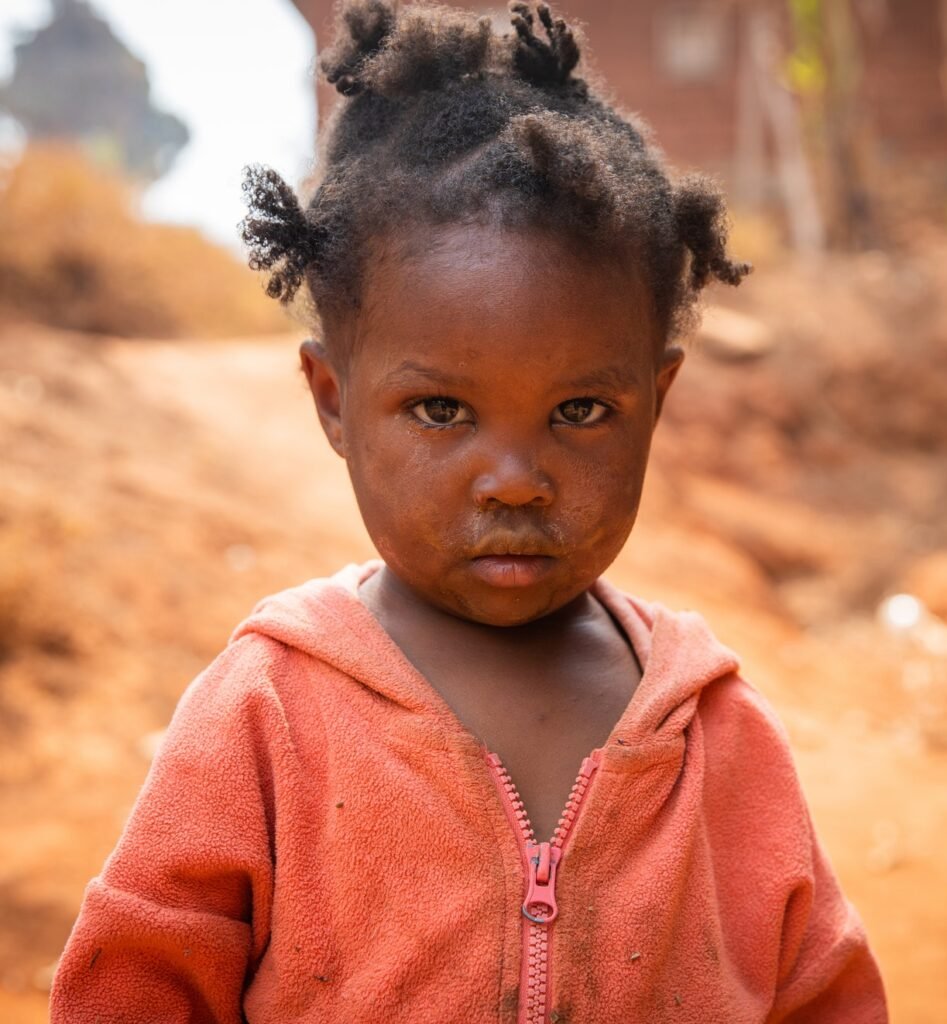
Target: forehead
{"points": [[484, 294]]}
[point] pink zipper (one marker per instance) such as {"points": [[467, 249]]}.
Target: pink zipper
{"points": [[541, 860]]}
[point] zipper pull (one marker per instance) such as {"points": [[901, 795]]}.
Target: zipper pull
{"points": [[540, 903]]}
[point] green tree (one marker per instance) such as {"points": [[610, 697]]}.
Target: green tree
{"points": [[824, 68]]}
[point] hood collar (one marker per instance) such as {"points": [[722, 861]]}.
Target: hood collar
{"points": [[325, 619]]}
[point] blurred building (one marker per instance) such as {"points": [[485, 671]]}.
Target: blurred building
{"points": [[75, 80]]}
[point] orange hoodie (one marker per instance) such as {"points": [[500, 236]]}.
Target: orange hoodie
{"points": [[319, 839]]}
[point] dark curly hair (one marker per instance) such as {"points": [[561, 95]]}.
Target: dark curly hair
{"points": [[443, 120]]}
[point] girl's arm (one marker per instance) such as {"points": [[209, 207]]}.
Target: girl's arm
{"points": [[827, 974], [807, 952], [179, 917]]}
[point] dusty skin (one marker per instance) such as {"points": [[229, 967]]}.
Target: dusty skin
{"points": [[158, 489]]}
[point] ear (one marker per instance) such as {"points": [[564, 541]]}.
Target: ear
{"points": [[669, 362], [323, 382]]}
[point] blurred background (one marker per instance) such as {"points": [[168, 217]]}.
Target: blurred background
{"points": [[161, 469]]}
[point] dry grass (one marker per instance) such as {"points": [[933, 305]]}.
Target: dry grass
{"points": [[74, 254]]}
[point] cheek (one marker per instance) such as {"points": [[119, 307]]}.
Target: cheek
{"points": [[602, 491], [601, 505], [406, 495]]}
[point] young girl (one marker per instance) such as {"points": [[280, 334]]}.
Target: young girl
{"points": [[367, 808]]}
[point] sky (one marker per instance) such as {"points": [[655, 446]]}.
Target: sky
{"points": [[238, 72]]}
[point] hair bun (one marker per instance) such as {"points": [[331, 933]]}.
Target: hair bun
{"points": [[276, 232], [548, 61], [362, 30], [701, 218], [423, 47]]}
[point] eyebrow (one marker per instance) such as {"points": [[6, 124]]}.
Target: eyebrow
{"points": [[609, 378], [409, 372]]}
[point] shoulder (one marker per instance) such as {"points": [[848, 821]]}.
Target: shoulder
{"points": [[240, 683], [227, 717], [249, 705], [747, 762], [750, 779], [271, 670], [732, 706], [692, 662], [741, 727], [278, 647]]}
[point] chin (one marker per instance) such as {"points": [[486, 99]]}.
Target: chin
{"points": [[505, 608]]}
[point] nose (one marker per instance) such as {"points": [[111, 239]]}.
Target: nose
{"points": [[515, 481]]}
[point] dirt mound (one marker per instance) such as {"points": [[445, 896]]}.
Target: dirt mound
{"points": [[75, 254], [825, 455]]}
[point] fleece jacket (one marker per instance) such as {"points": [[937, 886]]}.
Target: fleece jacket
{"points": [[321, 840]]}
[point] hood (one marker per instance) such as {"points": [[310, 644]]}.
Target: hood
{"points": [[325, 619]]}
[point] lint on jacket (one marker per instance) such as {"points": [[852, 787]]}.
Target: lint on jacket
{"points": [[321, 840]]}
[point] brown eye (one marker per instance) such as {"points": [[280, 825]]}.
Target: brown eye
{"points": [[440, 412], [580, 411]]}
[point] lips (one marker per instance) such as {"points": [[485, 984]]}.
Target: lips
{"points": [[514, 544], [512, 570], [513, 559]]}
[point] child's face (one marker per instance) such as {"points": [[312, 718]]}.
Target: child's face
{"points": [[496, 415]]}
